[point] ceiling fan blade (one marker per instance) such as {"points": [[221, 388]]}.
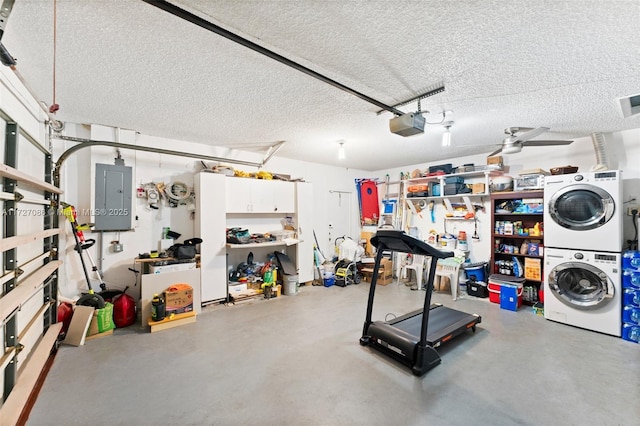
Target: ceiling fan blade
{"points": [[545, 143], [531, 134], [498, 151]]}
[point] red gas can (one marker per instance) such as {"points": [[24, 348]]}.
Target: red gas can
{"points": [[124, 310]]}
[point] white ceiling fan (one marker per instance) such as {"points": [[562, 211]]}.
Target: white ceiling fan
{"points": [[515, 140]]}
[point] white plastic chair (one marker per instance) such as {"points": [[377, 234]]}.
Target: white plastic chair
{"points": [[450, 269], [419, 264]]}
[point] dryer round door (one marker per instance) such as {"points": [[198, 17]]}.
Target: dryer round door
{"points": [[581, 207], [581, 285]]}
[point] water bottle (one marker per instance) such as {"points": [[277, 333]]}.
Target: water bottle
{"points": [[158, 308], [631, 332], [631, 259], [631, 315], [631, 297], [631, 279]]}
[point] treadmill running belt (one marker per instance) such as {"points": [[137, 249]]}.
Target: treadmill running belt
{"points": [[442, 322]]}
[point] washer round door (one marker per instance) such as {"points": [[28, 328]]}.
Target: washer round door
{"points": [[581, 285], [581, 207]]}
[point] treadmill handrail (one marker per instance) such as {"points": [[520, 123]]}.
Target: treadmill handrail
{"points": [[395, 240]]}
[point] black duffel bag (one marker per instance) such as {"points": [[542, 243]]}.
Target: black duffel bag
{"points": [[186, 250]]}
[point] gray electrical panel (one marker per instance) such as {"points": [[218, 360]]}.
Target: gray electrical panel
{"points": [[113, 198]]}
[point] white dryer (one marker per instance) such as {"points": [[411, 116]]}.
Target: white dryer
{"points": [[583, 289], [584, 211]]}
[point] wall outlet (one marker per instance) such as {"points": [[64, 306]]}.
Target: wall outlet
{"points": [[630, 210]]}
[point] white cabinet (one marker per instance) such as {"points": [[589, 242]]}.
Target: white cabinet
{"points": [[247, 195], [210, 225], [252, 204], [304, 217]]}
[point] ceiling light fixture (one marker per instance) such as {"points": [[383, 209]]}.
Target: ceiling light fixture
{"points": [[341, 155], [446, 135]]}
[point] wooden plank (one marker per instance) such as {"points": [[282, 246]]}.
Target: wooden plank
{"points": [[7, 357], [80, 321], [35, 319], [103, 334], [11, 173], [19, 240], [28, 377], [25, 289], [168, 322]]}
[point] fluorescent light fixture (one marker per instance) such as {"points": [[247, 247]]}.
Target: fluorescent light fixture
{"points": [[446, 135], [341, 155]]}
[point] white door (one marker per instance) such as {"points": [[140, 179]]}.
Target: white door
{"points": [[340, 218]]}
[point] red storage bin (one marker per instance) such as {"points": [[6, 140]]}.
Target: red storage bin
{"points": [[494, 292], [495, 283]]}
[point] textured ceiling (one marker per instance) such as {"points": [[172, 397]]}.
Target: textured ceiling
{"points": [[125, 63]]}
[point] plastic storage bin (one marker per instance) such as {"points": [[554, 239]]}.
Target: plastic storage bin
{"points": [[496, 281], [477, 289], [477, 272]]}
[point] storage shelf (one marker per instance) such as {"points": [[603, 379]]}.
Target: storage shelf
{"points": [[528, 220], [519, 255], [462, 174], [447, 197], [521, 237], [286, 242]]}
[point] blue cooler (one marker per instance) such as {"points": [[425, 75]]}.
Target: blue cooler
{"points": [[475, 271], [510, 297]]}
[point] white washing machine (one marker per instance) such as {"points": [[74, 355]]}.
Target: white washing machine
{"points": [[583, 289], [584, 211]]}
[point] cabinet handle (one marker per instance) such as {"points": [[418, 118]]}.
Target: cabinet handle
{"points": [[275, 209]]}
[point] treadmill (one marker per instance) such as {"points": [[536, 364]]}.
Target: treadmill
{"points": [[412, 338]]}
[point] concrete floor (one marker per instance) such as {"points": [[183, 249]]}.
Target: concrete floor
{"points": [[296, 360]]}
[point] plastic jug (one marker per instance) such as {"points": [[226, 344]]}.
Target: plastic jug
{"points": [[158, 308], [462, 241]]}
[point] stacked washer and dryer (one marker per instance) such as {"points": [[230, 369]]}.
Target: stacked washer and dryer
{"points": [[583, 239]]}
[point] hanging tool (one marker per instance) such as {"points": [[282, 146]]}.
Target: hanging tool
{"points": [[475, 235]]}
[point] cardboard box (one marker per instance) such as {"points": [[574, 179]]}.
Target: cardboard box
{"points": [[385, 272], [532, 268], [478, 188], [496, 159], [179, 299]]}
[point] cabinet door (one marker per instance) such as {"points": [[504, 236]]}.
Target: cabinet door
{"points": [[237, 195], [286, 197], [259, 196], [304, 218], [272, 196], [210, 225]]}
